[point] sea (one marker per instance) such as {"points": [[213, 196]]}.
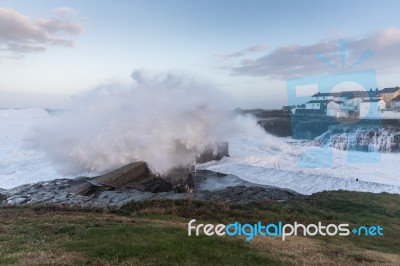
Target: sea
{"points": [[264, 159]]}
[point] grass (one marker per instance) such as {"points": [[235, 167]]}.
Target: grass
{"points": [[149, 243], [155, 233]]}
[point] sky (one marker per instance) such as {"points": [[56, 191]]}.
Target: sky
{"points": [[52, 50]]}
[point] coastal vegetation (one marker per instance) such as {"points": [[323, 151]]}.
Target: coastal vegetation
{"points": [[155, 233]]}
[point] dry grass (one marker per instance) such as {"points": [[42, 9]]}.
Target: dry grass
{"points": [[298, 250], [49, 258], [155, 233]]}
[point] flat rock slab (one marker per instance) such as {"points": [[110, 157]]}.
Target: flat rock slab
{"points": [[132, 173]]}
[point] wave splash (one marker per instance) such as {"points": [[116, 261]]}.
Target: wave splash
{"points": [[361, 138], [165, 121]]}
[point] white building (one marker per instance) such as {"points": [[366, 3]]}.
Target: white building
{"points": [[395, 103], [335, 109], [317, 104], [314, 104], [372, 108], [323, 96]]}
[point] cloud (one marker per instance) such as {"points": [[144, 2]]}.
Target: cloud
{"points": [[64, 11], [20, 34], [296, 60], [253, 49]]}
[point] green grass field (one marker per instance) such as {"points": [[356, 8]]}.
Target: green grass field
{"points": [[155, 233]]}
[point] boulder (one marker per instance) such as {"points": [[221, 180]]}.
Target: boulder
{"points": [[214, 153], [154, 185], [132, 173], [138, 176]]}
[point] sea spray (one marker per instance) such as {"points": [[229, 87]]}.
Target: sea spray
{"points": [[255, 156], [361, 138], [164, 120]]}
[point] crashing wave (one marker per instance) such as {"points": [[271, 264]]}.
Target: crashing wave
{"points": [[361, 138]]}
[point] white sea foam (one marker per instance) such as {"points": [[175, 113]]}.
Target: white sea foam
{"points": [[18, 164], [256, 156], [269, 160]]}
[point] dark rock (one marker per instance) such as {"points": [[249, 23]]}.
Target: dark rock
{"points": [[138, 176], [179, 188], [177, 174], [185, 186], [276, 122], [60, 192], [215, 152], [155, 185], [190, 184], [132, 173], [3, 198], [324, 129]]}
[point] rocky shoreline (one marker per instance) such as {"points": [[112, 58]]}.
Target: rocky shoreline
{"points": [[275, 122], [281, 123], [136, 182], [59, 192]]}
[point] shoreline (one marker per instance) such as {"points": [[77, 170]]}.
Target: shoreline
{"points": [[58, 192], [212, 187]]}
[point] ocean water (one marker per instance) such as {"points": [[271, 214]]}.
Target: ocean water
{"points": [[19, 164], [259, 158], [306, 168]]}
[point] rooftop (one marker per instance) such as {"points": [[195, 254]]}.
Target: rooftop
{"points": [[319, 94], [397, 99], [349, 94], [375, 100], [390, 90], [319, 101]]}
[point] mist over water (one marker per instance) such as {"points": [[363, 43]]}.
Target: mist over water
{"points": [[255, 155], [164, 120]]}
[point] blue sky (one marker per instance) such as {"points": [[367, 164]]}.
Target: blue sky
{"points": [[245, 48]]}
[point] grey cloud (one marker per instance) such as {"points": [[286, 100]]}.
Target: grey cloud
{"points": [[253, 49], [20, 34], [257, 48], [295, 60]]}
